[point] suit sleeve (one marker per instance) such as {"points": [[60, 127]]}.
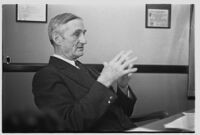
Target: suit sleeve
{"points": [[127, 104], [51, 93]]}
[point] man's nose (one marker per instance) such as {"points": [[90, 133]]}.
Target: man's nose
{"points": [[82, 39]]}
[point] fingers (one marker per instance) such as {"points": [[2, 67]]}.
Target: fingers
{"points": [[124, 60], [124, 57], [130, 71], [120, 65], [129, 63], [117, 57]]}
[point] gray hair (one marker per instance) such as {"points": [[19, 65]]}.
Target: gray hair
{"points": [[57, 21]]}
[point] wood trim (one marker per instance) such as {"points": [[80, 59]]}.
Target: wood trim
{"points": [[33, 67]]}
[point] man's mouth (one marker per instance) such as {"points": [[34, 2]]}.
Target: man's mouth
{"points": [[80, 47]]}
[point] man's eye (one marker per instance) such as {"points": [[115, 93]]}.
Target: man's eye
{"points": [[77, 34], [84, 32]]}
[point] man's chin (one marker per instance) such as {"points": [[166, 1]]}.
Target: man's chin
{"points": [[79, 54]]}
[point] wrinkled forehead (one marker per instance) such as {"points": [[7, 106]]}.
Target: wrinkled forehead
{"points": [[73, 25]]}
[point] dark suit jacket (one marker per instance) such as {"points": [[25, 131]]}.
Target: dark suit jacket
{"points": [[78, 99]]}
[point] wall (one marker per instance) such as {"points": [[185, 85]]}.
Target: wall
{"points": [[110, 29]]}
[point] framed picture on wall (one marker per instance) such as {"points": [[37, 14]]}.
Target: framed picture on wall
{"points": [[31, 13], [158, 15]]}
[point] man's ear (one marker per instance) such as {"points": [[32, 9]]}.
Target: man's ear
{"points": [[57, 38]]}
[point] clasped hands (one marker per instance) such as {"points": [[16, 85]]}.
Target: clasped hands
{"points": [[119, 69]]}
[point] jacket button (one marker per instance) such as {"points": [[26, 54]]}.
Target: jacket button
{"points": [[109, 101], [111, 97]]}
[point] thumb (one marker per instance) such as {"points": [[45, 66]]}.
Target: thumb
{"points": [[130, 74], [105, 64]]}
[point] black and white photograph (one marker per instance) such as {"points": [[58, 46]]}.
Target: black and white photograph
{"points": [[99, 67]]}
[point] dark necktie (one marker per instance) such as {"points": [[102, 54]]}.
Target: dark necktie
{"points": [[77, 63], [80, 66]]}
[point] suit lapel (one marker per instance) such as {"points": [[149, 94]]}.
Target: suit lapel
{"points": [[87, 78], [81, 77], [94, 73]]}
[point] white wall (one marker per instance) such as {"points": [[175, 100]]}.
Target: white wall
{"points": [[110, 29]]}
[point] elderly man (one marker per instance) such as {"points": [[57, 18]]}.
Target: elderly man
{"points": [[84, 99]]}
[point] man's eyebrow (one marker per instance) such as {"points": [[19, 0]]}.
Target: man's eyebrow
{"points": [[80, 30]]}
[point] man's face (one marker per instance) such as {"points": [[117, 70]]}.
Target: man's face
{"points": [[73, 39]]}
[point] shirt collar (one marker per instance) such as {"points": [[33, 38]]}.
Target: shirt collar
{"points": [[66, 60]]}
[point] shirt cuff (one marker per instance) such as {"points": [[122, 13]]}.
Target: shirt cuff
{"points": [[126, 91]]}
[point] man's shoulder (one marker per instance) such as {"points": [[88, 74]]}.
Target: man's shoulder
{"points": [[46, 71], [47, 68]]}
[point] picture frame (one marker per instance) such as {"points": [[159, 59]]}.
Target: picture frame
{"points": [[158, 16], [31, 13]]}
